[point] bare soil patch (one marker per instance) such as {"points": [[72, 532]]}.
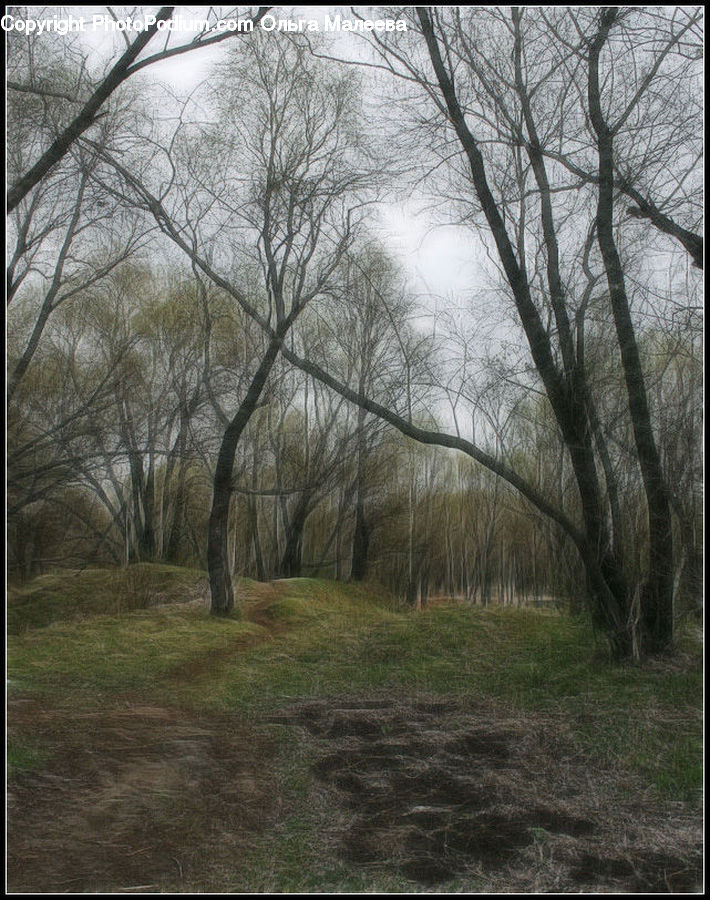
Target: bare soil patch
{"points": [[439, 791], [144, 798], [134, 799]]}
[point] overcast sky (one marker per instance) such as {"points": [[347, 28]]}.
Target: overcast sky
{"points": [[440, 261]]}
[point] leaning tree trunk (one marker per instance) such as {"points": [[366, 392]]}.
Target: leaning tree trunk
{"points": [[219, 569]]}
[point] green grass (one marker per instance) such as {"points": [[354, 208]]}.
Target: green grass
{"points": [[23, 756], [75, 594], [80, 661], [317, 638]]}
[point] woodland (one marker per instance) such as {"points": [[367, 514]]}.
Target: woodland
{"points": [[354, 450], [219, 358]]}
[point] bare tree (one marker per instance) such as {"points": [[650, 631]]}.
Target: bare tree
{"points": [[560, 369], [294, 218], [127, 64]]}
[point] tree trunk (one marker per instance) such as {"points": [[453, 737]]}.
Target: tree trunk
{"points": [[657, 592], [256, 541], [361, 543], [171, 553], [292, 559], [361, 534], [220, 576]]}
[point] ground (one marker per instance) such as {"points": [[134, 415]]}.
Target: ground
{"points": [[396, 789]]}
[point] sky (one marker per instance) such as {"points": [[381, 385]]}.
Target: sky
{"points": [[440, 259], [440, 262]]}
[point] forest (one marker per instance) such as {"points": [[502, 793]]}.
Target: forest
{"points": [[210, 340], [406, 301]]}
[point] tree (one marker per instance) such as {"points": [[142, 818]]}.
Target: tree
{"points": [[89, 114], [369, 336], [292, 221], [559, 365], [657, 592]]}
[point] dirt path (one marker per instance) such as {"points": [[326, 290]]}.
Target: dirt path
{"points": [[134, 799], [149, 799]]}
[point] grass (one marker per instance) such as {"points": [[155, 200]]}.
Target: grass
{"points": [[75, 594], [322, 638], [23, 756], [79, 645]]}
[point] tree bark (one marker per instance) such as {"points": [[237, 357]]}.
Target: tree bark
{"points": [[220, 576], [657, 592], [291, 560], [361, 542], [361, 533]]}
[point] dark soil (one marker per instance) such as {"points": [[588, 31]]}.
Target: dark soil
{"points": [[440, 792], [150, 799]]}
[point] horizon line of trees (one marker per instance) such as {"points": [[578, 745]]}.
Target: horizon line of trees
{"points": [[124, 474]]}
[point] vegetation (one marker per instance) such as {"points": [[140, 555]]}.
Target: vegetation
{"points": [[314, 544], [308, 641], [227, 408], [313, 638], [74, 595]]}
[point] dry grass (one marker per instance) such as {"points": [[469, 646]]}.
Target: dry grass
{"points": [[135, 797], [329, 742]]}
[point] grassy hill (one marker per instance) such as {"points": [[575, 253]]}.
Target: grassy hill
{"points": [[75, 594], [330, 740]]}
